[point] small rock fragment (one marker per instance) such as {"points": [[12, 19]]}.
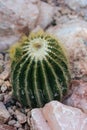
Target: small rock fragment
{"points": [[3, 88], [4, 114], [18, 125], [12, 122], [20, 117]]}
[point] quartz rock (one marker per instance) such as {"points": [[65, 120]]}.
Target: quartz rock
{"points": [[78, 97], [4, 114], [46, 15], [73, 35], [59, 117]]}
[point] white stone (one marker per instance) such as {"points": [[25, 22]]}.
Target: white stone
{"points": [[59, 117], [73, 35], [46, 14], [4, 114]]}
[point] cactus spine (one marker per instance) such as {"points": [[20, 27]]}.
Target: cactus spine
{"points": [[40, 70]]}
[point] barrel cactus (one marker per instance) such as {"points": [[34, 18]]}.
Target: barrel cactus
{"points": [[39, 70]]}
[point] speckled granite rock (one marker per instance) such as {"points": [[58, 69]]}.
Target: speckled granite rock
{"points": [[73, 35], [58, 117]]}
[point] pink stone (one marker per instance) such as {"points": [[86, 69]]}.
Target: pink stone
{"points": [[59, 117], [78, 98]]}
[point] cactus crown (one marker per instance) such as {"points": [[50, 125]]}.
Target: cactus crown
{"points": [[40, 70]]}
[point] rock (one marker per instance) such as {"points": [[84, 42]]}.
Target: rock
{"points": [[20, 117], [6, 127], [5, 74], [76, 4], [1, 96], [1, 66], [1, 82], [46, 15], [78, 98], [16, 18], [38, 122], [73, 35], [20, 129], [3, 88], [59, 117], [12, 122], [4, 114], [17, 125]]}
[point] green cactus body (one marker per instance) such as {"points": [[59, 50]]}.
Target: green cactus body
{"points": [[40, 70]]}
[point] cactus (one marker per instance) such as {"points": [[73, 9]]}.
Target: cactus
{"points": [[39, 70]]}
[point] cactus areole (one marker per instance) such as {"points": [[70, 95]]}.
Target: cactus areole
{"points": [[39, 70]]}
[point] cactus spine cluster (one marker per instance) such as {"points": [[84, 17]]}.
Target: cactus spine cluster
{"points": [[40, 70]]}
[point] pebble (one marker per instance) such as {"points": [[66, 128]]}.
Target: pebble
{"points": [[21, 117], [3, 88], [12, 122], [4, 114], [11, 111], [17, 125]]}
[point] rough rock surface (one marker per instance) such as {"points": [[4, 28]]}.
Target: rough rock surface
{"points": [[74, 36], [78, 97], [4, 114], [58, 117]]}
